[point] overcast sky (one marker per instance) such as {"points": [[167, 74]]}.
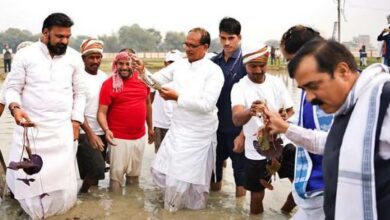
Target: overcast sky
{"points": [[261, 20]]}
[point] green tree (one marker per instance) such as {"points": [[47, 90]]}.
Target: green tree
{"points": [[75, 42], [111, 43], [14, 36], [138, 38], [215, 46], [173, 40]]}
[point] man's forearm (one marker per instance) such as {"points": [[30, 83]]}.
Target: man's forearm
{"points": [[241, 118]]}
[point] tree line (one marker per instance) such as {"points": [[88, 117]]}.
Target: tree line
{"points": [[134, 36]]}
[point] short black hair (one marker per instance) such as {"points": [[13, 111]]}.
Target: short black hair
{"points": [[327, 53], [57, 19], [230, 26], [296, 36], [205, 35], [128, 49]]}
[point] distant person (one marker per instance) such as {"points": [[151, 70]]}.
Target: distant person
{"points": [[124, 109], [273, 50], [45, 89], [184, 162], [363, 56], [385, 36], [230, 139], [162, 110], [3, 90], [91, 151], [7, 58]]}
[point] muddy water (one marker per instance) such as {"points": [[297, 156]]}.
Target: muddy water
{"points": [[144, 200]]}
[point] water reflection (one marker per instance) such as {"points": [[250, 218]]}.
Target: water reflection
{"points": [[145, 201]]}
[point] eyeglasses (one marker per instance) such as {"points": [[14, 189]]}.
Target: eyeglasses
{"points": [[191, 46]]}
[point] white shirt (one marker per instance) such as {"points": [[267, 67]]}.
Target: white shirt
{"points": [[93, 84], [49, 89], [245, 92], [162, 111], [194, 120]]}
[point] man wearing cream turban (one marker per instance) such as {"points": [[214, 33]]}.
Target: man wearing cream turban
{"points": [[92, 145], [248, 97]]}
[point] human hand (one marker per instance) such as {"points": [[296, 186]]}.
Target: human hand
{"points": [[239, 143], [168, 94], [21, 118], [137, 64], [95, 142], [257, 107], [110, 137], [274, 122], [283, 113], [150, 135]]}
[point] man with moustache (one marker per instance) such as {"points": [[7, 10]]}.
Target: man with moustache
{"points": [[45, 90], [183, 164], [356, 151], [92, 146], [124, 106], [229, 137], [248, 97], [308, 185]]}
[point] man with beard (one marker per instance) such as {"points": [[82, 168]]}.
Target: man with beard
{"points": [[184, 162], [230, 140], [45, 90], [92, 145], [124, 106], [356, 152], [248, 96]]}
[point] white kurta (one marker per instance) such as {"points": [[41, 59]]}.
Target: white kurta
{"points": [[52, 93], [189, 146]]}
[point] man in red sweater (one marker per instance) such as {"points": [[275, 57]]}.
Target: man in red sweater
{"points": [[124, 106]]}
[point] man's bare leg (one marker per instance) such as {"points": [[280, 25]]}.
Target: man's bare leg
{"points": [[257, 202], [87, 183], [132, 180], [216, 186], [115, 186], [240, 191]]}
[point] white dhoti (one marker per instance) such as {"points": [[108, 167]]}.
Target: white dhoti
{"points": [[54, 189], [184, 173]]}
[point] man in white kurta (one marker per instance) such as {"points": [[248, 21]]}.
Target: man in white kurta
{"points": [[45, 88], [184, 162]]}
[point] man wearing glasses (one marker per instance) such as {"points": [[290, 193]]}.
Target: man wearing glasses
{"points": [[184, 162], [230, 142]]}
